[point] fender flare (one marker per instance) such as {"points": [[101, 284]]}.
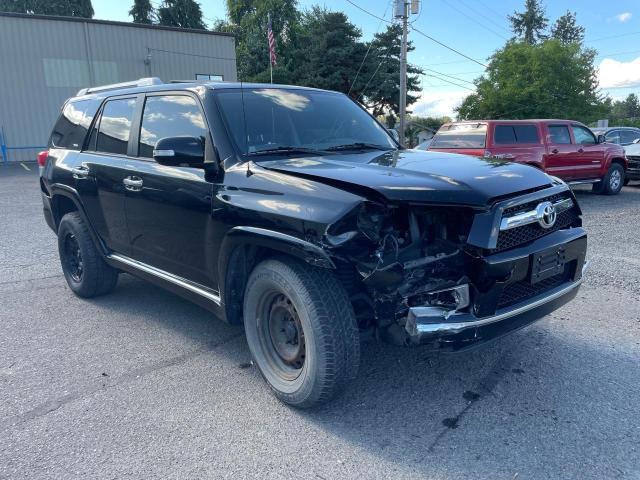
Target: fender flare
{"points": [[58, 189], [245, 236]]}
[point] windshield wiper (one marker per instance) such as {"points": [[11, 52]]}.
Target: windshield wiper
{"points": [[287, 149], [358, 146]]}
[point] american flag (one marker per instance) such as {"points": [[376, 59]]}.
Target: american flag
{"points": [[272, 44]]}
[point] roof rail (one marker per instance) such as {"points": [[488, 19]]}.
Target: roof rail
{"points": [[142, 82]]}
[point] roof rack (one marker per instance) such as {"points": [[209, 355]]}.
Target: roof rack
{"points": [[142, 82]]}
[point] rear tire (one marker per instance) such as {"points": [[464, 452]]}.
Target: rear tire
{"points": [[612, 182], [301, 330], [87, 274]]}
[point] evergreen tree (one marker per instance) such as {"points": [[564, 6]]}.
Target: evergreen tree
{"points": [[530, 24], [567, 30], [181, 13], [142, 11]]}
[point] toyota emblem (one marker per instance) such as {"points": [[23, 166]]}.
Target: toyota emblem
{"points": [[546, 214]]}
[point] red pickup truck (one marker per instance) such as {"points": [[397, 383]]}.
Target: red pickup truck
{"points": [[562, 148]]}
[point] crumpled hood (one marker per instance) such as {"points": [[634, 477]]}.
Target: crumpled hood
{"points": [[417, 176]]}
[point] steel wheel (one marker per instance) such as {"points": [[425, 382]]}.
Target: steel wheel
{"points": [[73, 257], [282, 335]]}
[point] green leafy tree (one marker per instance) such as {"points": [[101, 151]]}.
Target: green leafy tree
{"points": [[68, 8], [567, 30], [181, 13], [415, 125], [142, 12], [547, 80], [626, 109], [530, 24]]}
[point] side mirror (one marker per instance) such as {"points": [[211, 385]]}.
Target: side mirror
{"points": [[394, 134], [179, 152], [601, 139], [637, 140]]}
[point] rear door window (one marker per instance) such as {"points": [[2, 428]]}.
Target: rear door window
{"points": [[71, 128], [115, 126], [629, 136], [613, 137], [169, 116], [466, 135], [515, 134], [559, 134]]}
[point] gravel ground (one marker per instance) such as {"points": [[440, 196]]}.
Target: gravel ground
{"points": [[143, 384]]}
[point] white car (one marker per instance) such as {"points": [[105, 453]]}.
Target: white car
{"points": [[633, 156]]}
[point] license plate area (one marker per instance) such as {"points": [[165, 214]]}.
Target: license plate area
{"points": [[547, 263]]}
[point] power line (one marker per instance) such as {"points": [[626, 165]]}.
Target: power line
{"points": [[449, 76], [474, 20], [191, 54], [368, 50], [614, 36], [489, 19], [446, 46], [421, 33]]}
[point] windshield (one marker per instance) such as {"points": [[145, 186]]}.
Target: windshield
{"points": [[278, 120], [465, 135]]}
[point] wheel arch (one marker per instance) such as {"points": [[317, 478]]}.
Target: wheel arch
{"points": [[244, 247], [65, 200]]}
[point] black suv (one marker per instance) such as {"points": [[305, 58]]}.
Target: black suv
{"points": [[293, 211]]}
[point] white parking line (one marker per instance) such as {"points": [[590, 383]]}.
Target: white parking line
{"points": [[25, 167]]}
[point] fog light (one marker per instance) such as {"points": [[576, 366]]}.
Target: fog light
{"points": [[454, 298]]}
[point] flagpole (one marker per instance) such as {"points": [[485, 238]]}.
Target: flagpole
{"points": [[270, 61]]}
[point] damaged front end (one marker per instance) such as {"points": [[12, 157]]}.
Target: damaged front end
{"points": [[415, 277]]}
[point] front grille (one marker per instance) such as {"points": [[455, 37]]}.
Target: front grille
{"points": [[634, 161], [522, 290], [527, 233]]}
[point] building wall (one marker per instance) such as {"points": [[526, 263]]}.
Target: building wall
{"points": [[45, 60]]}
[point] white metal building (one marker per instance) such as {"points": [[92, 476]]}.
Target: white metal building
{"points": [[44, 60]]}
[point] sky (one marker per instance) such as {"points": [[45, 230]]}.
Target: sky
{"points": [[476, 28]]}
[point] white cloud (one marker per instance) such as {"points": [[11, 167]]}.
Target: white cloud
{"points": [[615, 74], [436, 103], [624, 17]]}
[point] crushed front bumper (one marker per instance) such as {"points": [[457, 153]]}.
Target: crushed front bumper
{"points": [[457, 330]]}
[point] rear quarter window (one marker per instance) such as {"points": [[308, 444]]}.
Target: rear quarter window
{"points": [[460, 136], [73, 124], [515, 134]]}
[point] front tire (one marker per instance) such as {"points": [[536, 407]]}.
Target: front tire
{"points": [[612, 182], [301, 330], [86, 272]]}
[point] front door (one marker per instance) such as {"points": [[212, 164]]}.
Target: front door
{"points": [[591, 154], [169, 208]]}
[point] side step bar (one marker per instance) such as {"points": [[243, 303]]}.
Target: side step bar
{"points": [[201, 290]]}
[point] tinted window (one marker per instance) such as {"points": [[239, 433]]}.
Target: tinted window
{"points": [[583, 135], [267, 118], [169, 116], [71, 128], [613, 136], [115, 126], [513, 134], [465, 135], [628, 136], [559, 134]]}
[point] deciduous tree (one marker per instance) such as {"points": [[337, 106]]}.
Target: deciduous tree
{"points": [[68, 8]]}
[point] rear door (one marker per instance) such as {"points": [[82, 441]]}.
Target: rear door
{"points": [[561, 156], [169, 213], [590, 156], [104, 165], [519, 142]]}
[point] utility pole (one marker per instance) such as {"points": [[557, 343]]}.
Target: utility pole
{"points": [[402, 12], [403, 74]]}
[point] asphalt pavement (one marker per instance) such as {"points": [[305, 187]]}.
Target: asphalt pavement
{"points": [[143, 384]]}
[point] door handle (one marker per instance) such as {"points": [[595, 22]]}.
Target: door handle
{"points": [[80, 172], [555, 150], [581, 150], [133, 184]]}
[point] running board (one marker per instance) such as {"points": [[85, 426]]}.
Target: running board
{"points": [[201, 290], [583, 182]]}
